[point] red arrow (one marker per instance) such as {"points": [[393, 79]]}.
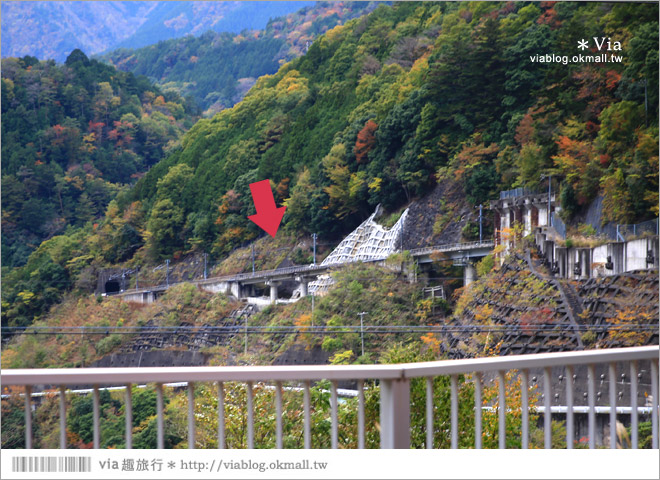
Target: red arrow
{"points": [[268, 215]]}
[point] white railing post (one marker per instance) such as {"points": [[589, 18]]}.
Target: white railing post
{"points": [[591, 397], [62, 417], [547, 415], [634, 424], [160, 438], [395, 413], [360, 386], [524, 392], [429, 412], [191, 415], [128, 414], [221, 415], [278, 415], [454, 411], [654, 403], [478, 378], [501, 410], [612, 379], [250, 415], [570, 429], [96, 417], [334, 424], [28, 416], [307, 412]]}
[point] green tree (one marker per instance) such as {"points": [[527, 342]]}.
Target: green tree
{"points": [[176, 185], [165, 228], [298, 212]]}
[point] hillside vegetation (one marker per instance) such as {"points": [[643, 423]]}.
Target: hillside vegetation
{"points": [[217, 69], [380, 110], [72, 135]]}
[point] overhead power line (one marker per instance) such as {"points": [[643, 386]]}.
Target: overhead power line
{"points": [[320, 329]]}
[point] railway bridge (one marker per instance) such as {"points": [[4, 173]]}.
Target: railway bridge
{"points": [[242, 285]]}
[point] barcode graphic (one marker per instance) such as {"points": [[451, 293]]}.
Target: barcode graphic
{"points": [[51, 464]]}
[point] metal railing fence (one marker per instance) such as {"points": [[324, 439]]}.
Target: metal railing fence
{"points": [[395, 395], [625, 232], [517, 192]]}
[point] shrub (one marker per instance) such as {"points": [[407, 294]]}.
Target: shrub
{"points": [[587, 230], [108, 344], [331, 344], [588, 338], [485, 265]]}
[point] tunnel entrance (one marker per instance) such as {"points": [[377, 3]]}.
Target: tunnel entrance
{"points": [[111, 287]]}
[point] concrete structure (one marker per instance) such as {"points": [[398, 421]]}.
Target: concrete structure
{"points": [[144, 296], [607, 259], [574, 262], [112, 280], [521, 206], [308, 277], [534, 212], [469, 274], [368, 242]]}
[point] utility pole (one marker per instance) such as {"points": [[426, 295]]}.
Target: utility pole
{"points": [[253, 258], [167, 273], [362, 314], [480, 222], [137, 278], [549, 177], [549, 197], [314, 236], [205, 255]]}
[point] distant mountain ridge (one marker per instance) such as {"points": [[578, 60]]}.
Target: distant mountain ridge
{"points": [[217, 69], [52, 30]]}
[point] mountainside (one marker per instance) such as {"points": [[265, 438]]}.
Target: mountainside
{"points": [[431, 106], [218, 69], [380, 111], [384, 107], [72, 135], [54, 29]]}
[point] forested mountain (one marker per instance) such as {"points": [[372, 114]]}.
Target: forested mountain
{"points": [[218, 69], [378, 111], [72, 135], [54, 29]]}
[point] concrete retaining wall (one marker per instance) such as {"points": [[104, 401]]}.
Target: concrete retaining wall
{"points": [[593, 262]]}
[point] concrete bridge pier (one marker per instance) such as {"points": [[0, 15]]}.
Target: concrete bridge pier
{"points": [[235, 289], [469, 274], [562, 261], [618, 255], [549, 251], [304, 291], [273, 284], [584, 255]]}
